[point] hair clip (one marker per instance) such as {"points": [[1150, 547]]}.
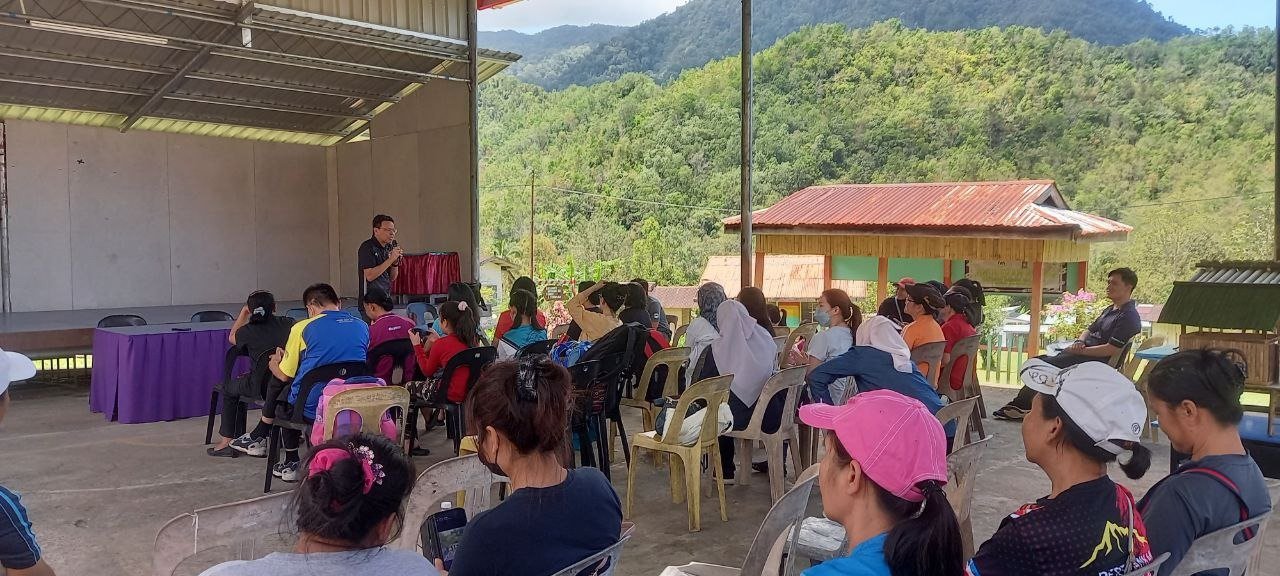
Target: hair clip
{"points": [[462, 305], [526, 381]]}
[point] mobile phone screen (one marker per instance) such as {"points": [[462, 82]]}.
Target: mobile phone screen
{"points": [[448, 541]]}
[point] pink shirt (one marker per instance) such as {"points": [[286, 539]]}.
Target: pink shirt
{"points": [[385, 329]]}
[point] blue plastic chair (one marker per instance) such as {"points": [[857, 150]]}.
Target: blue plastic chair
{"points": [[422, 314], [297, 314]]}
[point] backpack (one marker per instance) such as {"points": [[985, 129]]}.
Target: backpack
{"points": [[569, 352], [347, 422]]}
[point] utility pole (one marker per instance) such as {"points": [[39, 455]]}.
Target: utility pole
{"points": [[532, 181], [1276, 158], [744, 240]]}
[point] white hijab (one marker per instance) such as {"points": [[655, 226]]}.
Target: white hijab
{"points": [[879, 332], [744, 349]]}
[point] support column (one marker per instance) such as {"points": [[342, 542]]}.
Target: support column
{"points": [[882, 279], [757, 278], [826, 272], [946, 272], [1082, 271], [1037, 304], [744, 247], [473, 85]]}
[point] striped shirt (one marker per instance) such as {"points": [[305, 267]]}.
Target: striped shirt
{"points": [[18, 547]]}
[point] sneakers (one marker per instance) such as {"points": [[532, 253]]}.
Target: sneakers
{"points": [[287, 471], [1010, 413], [224, 452], [256, 447]]}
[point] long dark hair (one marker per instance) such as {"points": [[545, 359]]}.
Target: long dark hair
{"points": [[977, 299], [260, 300], [462, 292], [525, 304], [463, 322], [839, 299], [636, 297], [525, 283], [527, 400], [757, 306], [1134, 468], [925, 537], [332, 504], [958, 301], [613, 295], [1211, 379]]}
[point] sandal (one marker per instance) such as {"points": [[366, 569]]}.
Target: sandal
{"points": [[1010, 413]]}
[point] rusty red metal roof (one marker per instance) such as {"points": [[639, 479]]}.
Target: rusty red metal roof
{"points": [[1023, 207]]}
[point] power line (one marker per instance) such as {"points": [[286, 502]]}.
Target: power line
{"points": [[1189, 201], [636, 200]]}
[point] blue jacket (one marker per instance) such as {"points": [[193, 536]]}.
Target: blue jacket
{"points": [[873, 369]]}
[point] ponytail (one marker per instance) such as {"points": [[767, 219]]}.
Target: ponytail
{"points": [[839, 299], [1139, 460], [525, 304], [463, 321], [925, 540], [1134, 465]]}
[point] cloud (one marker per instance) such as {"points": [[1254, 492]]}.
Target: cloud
{"points": [[535, 15]]}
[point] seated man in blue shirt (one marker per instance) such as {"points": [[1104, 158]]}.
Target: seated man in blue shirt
{"points": [[20, 555], [329, 336], [1109, 334]]}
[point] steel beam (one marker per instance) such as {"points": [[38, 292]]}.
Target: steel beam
{"points": [[264, 106], [50, 83]]}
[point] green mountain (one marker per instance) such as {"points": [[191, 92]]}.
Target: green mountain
{"points": [[1173, 138], [705, 30]]}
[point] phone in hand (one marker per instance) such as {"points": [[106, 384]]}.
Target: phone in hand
{"points": [[441, 533]]}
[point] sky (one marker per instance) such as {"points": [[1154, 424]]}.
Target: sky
{"points": [[534, 15]]}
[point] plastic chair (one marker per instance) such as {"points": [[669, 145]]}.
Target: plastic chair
{"points": [[962, 411], [1152, 568], [370, 403], [965, 348], [774, 540], [121, 321], [320, 375], [962, 473], [211, 316], [539, 348], [604, 561], [1131, 370], [475, 361], [588, 417], [804, 331], [242, 529], [679, 334], [930, 355], [686, 460], [782, 331], [442, 481], [422, 313], [400, 351], [233, 355], [1118, 359], [1218, 550], [781, 343], [789, 382], [673, 359], [298, 314]]}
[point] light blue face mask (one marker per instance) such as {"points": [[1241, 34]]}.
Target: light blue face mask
{"points": [[822, 317]]}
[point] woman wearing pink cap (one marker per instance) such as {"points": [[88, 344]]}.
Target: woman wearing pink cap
{"points": [[1081, 418], [882, 478]]}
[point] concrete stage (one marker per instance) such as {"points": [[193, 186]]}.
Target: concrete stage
{"points": [[98, 491]]}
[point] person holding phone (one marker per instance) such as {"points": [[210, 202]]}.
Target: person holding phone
{"points": [[350, 505], [554, 517]]}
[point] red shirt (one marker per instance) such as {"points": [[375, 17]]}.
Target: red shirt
{"points": [[507, 321], [441, 352], [955, 329]]}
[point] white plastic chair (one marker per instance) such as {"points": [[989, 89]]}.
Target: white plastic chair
{"points": [[244, 529]]}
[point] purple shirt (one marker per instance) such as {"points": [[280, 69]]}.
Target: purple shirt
{"points": [[385, 329]]}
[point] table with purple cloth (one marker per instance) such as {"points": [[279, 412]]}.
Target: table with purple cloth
{"points": [[158, 372]]}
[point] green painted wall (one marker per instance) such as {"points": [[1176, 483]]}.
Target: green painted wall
{"points": [[854, 268], [867, 268]]}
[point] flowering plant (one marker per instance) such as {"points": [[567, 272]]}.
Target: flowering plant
{"points": [[1073, 315], [559, 315]]}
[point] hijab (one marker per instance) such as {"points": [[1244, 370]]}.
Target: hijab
{"points": [[710, 295], [880, 333], [744, 349]]}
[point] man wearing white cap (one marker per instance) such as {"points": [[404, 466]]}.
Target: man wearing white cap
{"points": [[19, 553]]}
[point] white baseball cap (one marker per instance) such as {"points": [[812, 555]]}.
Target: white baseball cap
{"points": [[13, 368], [1099, 400]]}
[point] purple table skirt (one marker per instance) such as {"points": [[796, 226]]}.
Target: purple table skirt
{"points": [[154, 373]]}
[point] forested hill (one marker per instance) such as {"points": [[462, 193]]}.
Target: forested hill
{"points": [[705, 30], [1173, 138]]}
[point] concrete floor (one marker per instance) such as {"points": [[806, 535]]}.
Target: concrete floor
{"points": [[98, 491]]}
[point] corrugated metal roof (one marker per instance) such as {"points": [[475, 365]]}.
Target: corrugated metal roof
{"points": [[1032, 207], [786, 277], [676, 297], [1239, 295], [186, 64]]}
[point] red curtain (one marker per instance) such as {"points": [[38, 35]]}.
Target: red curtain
{"points": [[430, 273]]}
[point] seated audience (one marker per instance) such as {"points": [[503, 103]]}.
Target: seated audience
{"points": [[348, 508], [840, 317], [746, 350], [1106, 336], [528, 326], [895, 307], [20, 554], [757, 306], [977, 298], [386, 327], [635, 305], [259, 331], [329, 335], [507, 320], [775, 315], [462, 292], [597, 324], [657, 314], [435, 352], [1082, 418], [923, 304], [957, 324], [574, 332], [704, 329], [878, 360], [553, 517], [1196, 395], [881, 477]]}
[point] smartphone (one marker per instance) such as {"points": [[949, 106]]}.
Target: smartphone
{"points": [[441, 533]]}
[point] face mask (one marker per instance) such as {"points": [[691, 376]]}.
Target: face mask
{"points": [[493, 467], [822, 317]]}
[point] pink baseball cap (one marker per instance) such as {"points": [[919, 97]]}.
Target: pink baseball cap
{"points": [[898, 442], [905, 281]]}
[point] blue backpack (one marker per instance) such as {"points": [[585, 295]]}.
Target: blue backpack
{"points": [[569, 352]]}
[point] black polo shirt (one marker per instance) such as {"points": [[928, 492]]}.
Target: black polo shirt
{"points": [[1116, 326], [372, 255]]}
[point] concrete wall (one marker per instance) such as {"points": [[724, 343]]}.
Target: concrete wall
{"points": [[100, 219], [415, 168]]}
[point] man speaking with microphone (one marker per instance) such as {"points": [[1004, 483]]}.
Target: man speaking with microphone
{"points": [[379, 257]]}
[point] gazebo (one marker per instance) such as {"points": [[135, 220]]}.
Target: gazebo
{"points": [[1015, 236]]}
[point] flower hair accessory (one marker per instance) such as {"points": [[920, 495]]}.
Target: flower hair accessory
{"points": [[462, 305], [324, 460]]}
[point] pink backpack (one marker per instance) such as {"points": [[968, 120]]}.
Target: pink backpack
{"points": [[347, 422]]}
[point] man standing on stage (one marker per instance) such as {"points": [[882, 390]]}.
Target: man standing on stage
{"points": [[379, 257]]}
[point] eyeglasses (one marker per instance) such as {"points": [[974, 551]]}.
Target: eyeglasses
{"points": [[389, 230]]}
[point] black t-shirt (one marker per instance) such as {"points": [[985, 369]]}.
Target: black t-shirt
{"points": [[895, 310], [540, 531], [372, 255], [1085, 530], [263, 337], [1116, 326]]}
